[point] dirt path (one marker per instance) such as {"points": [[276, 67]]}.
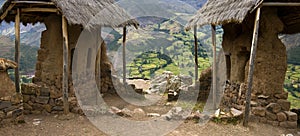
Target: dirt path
{"points": [[77, 125]]}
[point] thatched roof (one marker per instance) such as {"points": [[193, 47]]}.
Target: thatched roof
{"points": [[218, 12], [77, 12]]}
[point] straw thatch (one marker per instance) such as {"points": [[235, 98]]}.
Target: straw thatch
{"points": [[77, 12], [218, 12]]}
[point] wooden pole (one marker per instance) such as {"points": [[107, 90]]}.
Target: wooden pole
{"points": [[65, 64], [196, 54], [213, 35], [124, 55], [17, 50], [251, 66]]}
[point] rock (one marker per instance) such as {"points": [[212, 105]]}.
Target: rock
{"points": [[259, 111], [139, 113], [291, 116], [167, 116], [27, 107], [57, 108], [42, 99], [153, 115], [273, 107], [26, 98], [283, 95], [281, 117], [48, 108], [172, 95], [43, 91], [29, 89], [288, 124], [262, 97], [5, 104], [285, 104], [235, 112], [271, 116], [126, 112], [37, 106], [115, 110], [273, 123], [2, 115], [54, 93]]}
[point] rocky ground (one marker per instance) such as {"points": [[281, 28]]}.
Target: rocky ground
{"points": [[76, 125]]}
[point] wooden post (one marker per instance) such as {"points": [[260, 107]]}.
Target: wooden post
{"points": [[196, 54], [65, 64], [213, 35], [124, 55], [17, 50], [251, 68]]}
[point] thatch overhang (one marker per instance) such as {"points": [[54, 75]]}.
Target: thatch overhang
{"points": [[77, 12], [220, 12], [217, 12]]}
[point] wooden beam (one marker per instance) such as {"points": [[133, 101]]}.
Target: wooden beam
{"points": [[124, 55], [32, 2], [196, 54], [17, 50], [65, 64], [281, 4], [214, 43], [52, 10], [251, 67], [6, 11]]}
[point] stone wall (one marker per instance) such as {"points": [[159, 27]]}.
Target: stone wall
{"points": [[41, 100]]}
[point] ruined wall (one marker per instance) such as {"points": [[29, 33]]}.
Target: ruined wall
{"points": [[268, 99], [270, 64], [45, 94]]}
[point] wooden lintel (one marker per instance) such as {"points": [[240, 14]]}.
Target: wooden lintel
{"points": [[6, 11], [32, 2], [281, 4], [54, 10]]}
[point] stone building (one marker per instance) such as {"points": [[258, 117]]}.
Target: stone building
{"points": [[65, 20], [239, 22]]}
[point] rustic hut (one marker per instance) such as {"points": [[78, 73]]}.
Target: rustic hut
{"points": [[255, 57], [64, 20]]}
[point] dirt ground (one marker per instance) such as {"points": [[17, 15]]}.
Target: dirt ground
{"points": [[76, 125]]}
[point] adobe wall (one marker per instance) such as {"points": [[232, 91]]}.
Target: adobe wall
{"points": [[268, 100], [44, 95]]}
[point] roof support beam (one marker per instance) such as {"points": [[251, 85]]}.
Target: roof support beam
{"points": [[6, 11], [65, 64], [17, 50], [124, 55], [214, 44], [251, 67], [32, 2], [280, 4], [196, 54], [40, 10]]}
